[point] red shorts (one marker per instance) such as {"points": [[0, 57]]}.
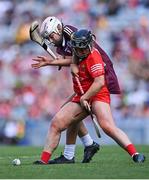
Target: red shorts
{"points": [[98, 97]]}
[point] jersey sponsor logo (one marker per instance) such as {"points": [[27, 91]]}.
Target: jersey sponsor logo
{"points": [[67, 49], [82, 79], [96, 67], [82, 67]]}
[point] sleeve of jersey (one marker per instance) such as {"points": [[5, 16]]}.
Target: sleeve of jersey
{"points": [[95, 64], [68, 30]]}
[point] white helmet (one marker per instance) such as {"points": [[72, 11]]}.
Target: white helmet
{"points": [[50, 25]]}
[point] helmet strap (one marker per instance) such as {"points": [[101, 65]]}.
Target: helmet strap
{"points": [[90, 48]]}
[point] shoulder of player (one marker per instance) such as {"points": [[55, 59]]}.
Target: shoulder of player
{"points": [[68, 30], [95, 52]]}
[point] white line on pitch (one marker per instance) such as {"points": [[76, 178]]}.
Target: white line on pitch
{"points": [[21, 157]]}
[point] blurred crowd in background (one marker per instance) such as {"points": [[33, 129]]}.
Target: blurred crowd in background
{"points": [[121, 29]]}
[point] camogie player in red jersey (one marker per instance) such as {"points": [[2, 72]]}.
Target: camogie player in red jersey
{"points": [[91, 74], [92, 79], [88, 69]]}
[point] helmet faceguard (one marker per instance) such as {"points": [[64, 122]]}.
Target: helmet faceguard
{"points": [[50, 25], [82, 40]]}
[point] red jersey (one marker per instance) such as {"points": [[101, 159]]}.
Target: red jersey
{"points": [[90, 68], [110, 76]]}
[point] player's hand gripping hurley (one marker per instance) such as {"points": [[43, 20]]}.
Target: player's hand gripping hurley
{"points": [[89, 109], [35, 36]]}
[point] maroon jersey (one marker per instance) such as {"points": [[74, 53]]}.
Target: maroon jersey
{"points": [[65, 49], [110, 76]]}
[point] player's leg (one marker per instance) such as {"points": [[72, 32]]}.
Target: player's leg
{"points": [[84, 135], [90, 149], [62, 120], [69, 150], [104, 116]]}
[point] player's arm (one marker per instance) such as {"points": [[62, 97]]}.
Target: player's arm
{"points": [[74, 69], [95, 68], [73, 66], [42, 61], [94, 88]]}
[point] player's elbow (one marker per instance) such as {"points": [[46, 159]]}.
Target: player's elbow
{"points": [[101, 82]]}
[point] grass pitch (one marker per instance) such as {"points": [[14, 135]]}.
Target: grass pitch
{"points": [[111, 162]]}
